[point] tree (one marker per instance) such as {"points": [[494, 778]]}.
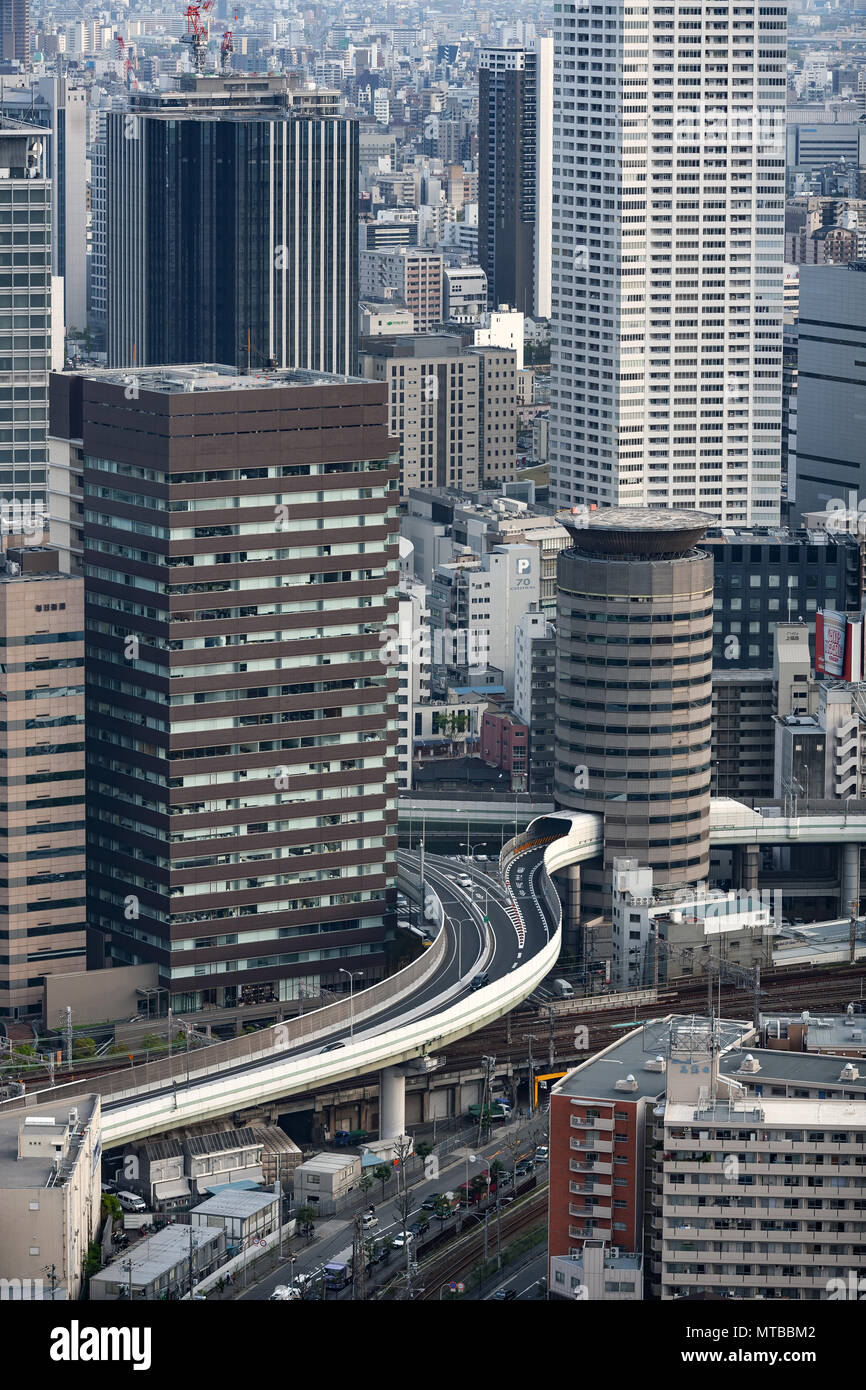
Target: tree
{"points": [[83, 1047], [305, 1217], [111, 1208], [423, 1150], [383, 1173], [514, 1143], [365, 1182], [441, 1210]]}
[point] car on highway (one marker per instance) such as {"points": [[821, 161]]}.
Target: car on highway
{"points": [[332, 1047], [505, 1295], [479, 981]]}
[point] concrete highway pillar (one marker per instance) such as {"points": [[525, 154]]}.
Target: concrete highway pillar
{"points": [[568, 881], [748, 868], [392, 1103], [850, 879]]}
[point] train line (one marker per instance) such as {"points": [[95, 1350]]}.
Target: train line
{"points": [[454, 1263]]}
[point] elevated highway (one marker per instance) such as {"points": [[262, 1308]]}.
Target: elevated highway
{"points": [[508, 926]]}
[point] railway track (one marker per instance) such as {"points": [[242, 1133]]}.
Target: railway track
{"points": [[457, 1261]]}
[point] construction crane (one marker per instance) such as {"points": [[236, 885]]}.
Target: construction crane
{"points": [[227, 48], [197, 34], [125, 56]]}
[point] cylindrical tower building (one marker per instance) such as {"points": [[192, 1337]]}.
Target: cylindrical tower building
{"points": [[634, 639]]}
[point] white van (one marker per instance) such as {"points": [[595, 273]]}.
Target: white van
{"points": [[130, 1201], [369, 1222]]}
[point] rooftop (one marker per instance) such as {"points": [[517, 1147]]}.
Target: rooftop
{"points": [[642, 532], [157, 1254], [235, 1202], [597, 1077], [212, 376], [804, 1068], [784, 1113], [39, 1170]]}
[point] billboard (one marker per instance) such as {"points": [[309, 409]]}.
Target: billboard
{"points": [[829, 643]]}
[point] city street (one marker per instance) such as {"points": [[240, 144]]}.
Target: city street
{"points": [[454, 1171]]}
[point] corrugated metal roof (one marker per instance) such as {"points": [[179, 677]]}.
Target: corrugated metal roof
{"points": [[219, 1141]]}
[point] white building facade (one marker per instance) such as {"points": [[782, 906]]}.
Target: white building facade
{"points": [[668, 240]]}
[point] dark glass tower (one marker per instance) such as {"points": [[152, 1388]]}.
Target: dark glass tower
{"points": [[232, 228]]}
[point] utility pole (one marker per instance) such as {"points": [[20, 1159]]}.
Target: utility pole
{"points": [[359, 1263], [68, 1035], [169, 1030], [127, 1265], [551, 1016], [191, 1257], [530, 1038]]}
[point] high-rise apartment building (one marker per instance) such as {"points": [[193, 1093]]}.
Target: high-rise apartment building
{"points": [[455, 411], [668, 232], [515, 123], [241, 563], [31, 340], [232, 227], [410, 274], [42, 898]]}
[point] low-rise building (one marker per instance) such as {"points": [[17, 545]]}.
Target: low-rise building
{"points": [[164, 1266], [50, 1197], [325, 1181], [243, 1215], [599, 1273]]}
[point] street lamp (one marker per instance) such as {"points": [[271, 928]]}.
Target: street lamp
{"points": [[460, 921], [352, 974]]}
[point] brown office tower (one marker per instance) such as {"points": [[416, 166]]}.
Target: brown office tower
{"points": [[634, 637], [240, 563], [42, 905]]}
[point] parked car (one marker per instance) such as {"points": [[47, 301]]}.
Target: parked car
{"points": [[400, 1242], [130, 1201], [542, 1153], [284, 1293], [505, 1295], [524, 1167], [429, 1203]]}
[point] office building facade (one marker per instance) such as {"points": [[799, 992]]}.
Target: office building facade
{"points": [[30, 314], [248, 848], [232, 228], [831, 386], [515, 123], [634, 689], [42, 896], [668, 186]]}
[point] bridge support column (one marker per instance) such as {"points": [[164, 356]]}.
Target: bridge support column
{"points": [[748, 859], [392, 1103], [568, 879], [850, 897]]}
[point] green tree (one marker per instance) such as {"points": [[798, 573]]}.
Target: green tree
{"points": [[83, 1047], [423, 1150], [111, 1208], [365, 1182], [383, 1173], [441, 1209]]}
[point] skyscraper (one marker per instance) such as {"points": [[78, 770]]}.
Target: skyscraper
{"points": [[514, 167], [232, 227], [42, 904], [240, 563], [15, 32], [29, 346], [668, 235]]}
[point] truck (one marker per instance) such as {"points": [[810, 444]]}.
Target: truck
{"points": [[338, 1271], [562, 989], [496, 1110]]}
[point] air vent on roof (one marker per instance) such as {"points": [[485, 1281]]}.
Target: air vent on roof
{"points": [[626, 1083], [749, 1063], [655, 1064]]}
